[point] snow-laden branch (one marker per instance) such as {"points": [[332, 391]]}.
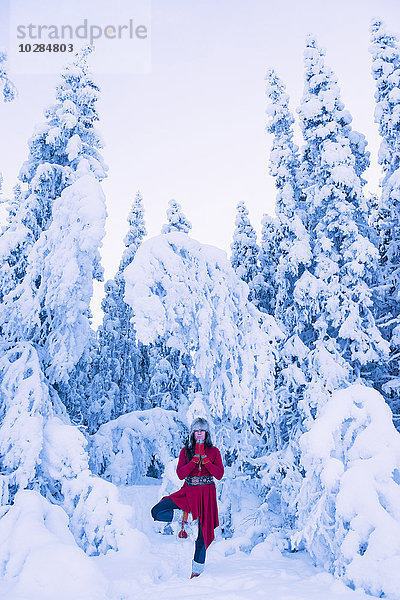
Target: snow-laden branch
{"points": [[189, 293]]}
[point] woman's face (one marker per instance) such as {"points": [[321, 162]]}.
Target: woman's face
{"points": [[199, 435]]}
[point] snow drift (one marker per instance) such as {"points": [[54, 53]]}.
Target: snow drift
{"points": [[350, 500]]}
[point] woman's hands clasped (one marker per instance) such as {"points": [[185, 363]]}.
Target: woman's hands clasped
{"points": [[200, 457]]}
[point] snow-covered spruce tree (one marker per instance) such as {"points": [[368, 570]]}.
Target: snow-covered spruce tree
{"points": [[269, 256], [25, 398], [245, 253], [145, 439], [138, 443], [349, 509], [344, 340], [114, 367], [48, 313], [356, 141], [170, 376], [342, 336], [281, 470], [294, 252], [176, 219], [67, 136], [169, 369], [55, 148], [188, 294], [8, 91], [50, 307], [386, 71], [79, 393], [129, 351], [40, 451]]}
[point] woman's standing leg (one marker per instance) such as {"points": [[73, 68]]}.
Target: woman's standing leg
{"points": [[199, 554]]}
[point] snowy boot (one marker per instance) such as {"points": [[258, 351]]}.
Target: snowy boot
{"points": [[169, 528], [197, 569], [178, 515]]}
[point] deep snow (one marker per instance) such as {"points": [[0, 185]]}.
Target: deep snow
{"points": [[151, 566], [161, 568]]}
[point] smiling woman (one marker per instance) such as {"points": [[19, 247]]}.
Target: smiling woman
{"points": [[199, 462]]}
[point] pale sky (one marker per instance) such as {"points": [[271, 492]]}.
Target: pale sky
{"points": [[193, 127]]}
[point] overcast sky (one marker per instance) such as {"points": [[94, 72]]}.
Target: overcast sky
{"points": [[193, 126]]}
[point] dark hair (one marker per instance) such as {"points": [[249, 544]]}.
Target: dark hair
{"points": [[191, 444]]}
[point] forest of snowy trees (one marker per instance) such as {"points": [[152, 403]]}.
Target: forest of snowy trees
{"points": [[291, 348]]}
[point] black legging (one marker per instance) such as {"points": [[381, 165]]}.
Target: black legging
{"points": [[164, 511]]}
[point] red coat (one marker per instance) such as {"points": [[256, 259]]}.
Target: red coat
{"points": [[200, 500]]}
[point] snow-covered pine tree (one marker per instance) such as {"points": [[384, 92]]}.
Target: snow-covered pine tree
{"points": [[357, 145], [78, 392], [46, 317], [269, 256], [131, 359], [282, 472], [170, 378], [386, 71], [50, 313], [176, 219], [136, 444], [50, 307], [64, 159], [245, 253], [349, 517], [8, 91], [386, 62], [55, 148], [169, 369], [40, 450], [189, 295], [294, 252], [52, 457], [115, 370], [344, 339], [64, 151]]}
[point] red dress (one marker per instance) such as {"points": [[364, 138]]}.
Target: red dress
{"points": [[200, 500]]}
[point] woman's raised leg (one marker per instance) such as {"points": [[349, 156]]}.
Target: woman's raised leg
{"points": [[164, 510]]}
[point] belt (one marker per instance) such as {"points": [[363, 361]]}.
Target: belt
{"points": [[199, 480]]}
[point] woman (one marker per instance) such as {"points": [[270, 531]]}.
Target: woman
{"points": [[199, 461]]}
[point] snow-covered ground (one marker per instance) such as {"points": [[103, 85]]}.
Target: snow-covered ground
{"points": [[43, 562], [158, 566]]}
